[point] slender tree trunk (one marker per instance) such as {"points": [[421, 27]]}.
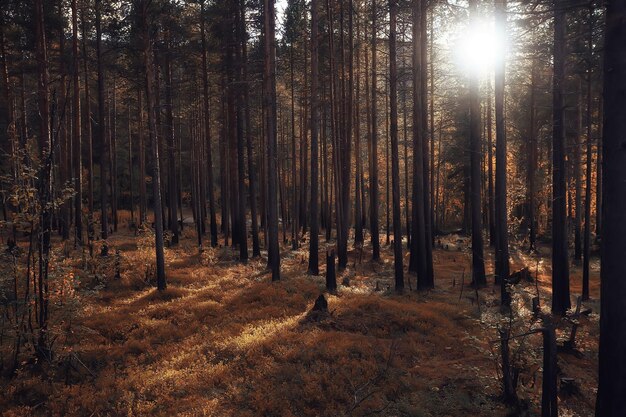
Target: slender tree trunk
{"points": [[405, 137], [64, 148], [417, 262], [532, 163], [428, 224], [387, 169], [130, 170], [560, 267], [45, 183], [431, 125], [207, 132], [76, 133], [89, 134], [588, 121], [612, 352], [143, 199], [577, 176], [269, 82], [599, 172], [172, 186], [358, 223], [294, 200], [314, 231], [490, 187], [241, 170], [252, 181], [143, 6], [104, 197], [224, 162], [395, 162], [502, 231], [374, 228], [478, 260], [113, 155]]}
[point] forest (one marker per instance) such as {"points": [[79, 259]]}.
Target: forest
{"points": [[313, 208]]}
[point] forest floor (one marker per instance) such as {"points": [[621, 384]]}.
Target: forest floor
{"points": [[223, 340]]}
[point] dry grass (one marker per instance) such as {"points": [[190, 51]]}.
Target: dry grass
{"points": [[223, 340]]}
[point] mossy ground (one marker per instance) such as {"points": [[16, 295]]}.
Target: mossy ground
{"points": [[223, 340]]}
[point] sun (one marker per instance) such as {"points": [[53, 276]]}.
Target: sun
{"points": [[478, 47]]}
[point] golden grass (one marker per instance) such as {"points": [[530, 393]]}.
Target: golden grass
{"points": [[223, 340]]}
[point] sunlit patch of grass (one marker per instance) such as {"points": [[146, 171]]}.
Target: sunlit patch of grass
{"points": [[224, 340], [256, 334]]}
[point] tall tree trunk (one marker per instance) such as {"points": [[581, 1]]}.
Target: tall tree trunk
{"points": [[374, 228], [295, 219], [345, 141], [241, 171], [252, 181], [560, 267], [172, 186], [314, 231], [395, 162], [431, 125], [358, 223], [612, 352], [417, 262], [490, 187], [156, 175], [269, 83], [207, 131], [76, 133], [113, 155], [532, 162], [577, 175], [130, 171], [405, 138], [478, 260], [64, 148], [387, 169], [428, 224], [102, 138], [88, 128], [143, 199], [502, 231], [45, 183], [588, 121], [599, 172]]}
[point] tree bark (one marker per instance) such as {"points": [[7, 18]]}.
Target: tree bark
{"points": [[172, 186], [45, 183], [532, 163], [577, 175], [478, 261], [395, 162], [502, 231], [89, 134], [612, 353], [374, 228], [143, 199], [314, 231], [102, 137], [417, 261], [76, 133], [143, 6], [269, 83], [560, 267], [587, 231], [207, 131]]}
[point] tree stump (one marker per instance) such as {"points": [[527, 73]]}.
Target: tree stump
{"points": [[522, 274], [321, 305], [331, 275]]}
